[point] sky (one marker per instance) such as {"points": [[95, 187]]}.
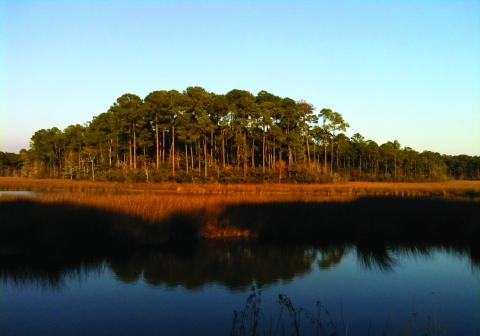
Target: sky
{"points": [[396, 70]]}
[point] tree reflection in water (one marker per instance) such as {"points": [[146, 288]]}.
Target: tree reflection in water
{"points": [[235, 265]]}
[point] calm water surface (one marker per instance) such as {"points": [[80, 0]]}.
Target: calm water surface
{"points": [[197, 292], [17, 193]]}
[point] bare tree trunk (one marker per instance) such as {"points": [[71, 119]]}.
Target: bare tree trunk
{"points": [[238, 156], [360, 164], [280, 159], [157, 149], [268, 156], [172, 151], [110, 152], [199, 159], [191, 156], [163, 145], [331, 158], [324, 156], [227, 154], [289, 156], [134, 149], [223, 148], [245, 157], [395, 166], [263, 152], [146, 172], [186, 157], [145, 164], [130, 154], [308, 150], [274, 154], [253, 153], [117, 155], [211, 148], [205, 155]]}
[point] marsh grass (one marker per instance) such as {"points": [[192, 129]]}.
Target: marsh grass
{"points": [[102, 216], [290, 319], [452, 189]]}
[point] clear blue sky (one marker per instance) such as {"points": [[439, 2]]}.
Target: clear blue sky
{"points": [[404, 70]]}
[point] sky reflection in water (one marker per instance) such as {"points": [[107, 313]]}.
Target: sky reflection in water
{"points": [[198, 291]]}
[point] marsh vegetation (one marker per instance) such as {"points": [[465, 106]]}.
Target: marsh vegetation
{"points": [[129, 217]]}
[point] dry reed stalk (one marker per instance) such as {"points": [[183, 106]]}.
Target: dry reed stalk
{"points": [[348, 188]]}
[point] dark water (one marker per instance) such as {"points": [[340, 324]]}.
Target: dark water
{"points": [[404, 290]]}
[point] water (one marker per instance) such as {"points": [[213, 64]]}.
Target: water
{"points": [[198, 290], [22, 193]]}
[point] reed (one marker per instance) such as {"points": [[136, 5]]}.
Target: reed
{"points": [[290, 319], [349, 189]]}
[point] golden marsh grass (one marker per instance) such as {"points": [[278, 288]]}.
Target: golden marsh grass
{"points": [[156, 202]]}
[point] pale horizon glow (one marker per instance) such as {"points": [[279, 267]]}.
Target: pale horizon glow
{"points": [[406, 71]]}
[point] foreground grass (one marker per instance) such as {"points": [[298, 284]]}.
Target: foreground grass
{"points": [[294, 320]]}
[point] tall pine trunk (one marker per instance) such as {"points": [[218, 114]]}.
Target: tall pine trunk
{"points": [[172, 151], [324, 156], [223, 149], [186, 157], [253, 153], [134, 149], [191, 156], [205, 155], [331, 159], [263, 152], [163, 144], [157, 147], [130, 153], [211, 148], [245, 156]]}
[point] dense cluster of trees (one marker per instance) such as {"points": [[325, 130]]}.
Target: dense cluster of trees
{"points": [[196, 135], [11, 164]]}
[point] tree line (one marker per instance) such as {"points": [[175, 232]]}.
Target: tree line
{"points": [[199, 136]]}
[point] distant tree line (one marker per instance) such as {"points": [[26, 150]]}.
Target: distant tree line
{"points": [[199, 136], [11, 164]]}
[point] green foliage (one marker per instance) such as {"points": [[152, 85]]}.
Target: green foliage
{"points": [[200, 136], [10, 164]]}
